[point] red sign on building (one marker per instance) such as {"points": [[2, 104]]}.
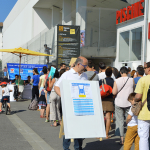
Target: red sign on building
{"points": [[149, 30], [133, 11]]}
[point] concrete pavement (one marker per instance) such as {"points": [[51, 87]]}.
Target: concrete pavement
{"points": [[25, 130]]}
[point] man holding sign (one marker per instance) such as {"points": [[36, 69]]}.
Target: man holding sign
{"points": [[76, 73]]}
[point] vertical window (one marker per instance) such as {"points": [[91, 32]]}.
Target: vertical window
{"points": [[130, 45], [135, 53], [124, 46]]}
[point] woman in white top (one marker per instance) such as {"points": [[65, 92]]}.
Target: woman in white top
{"points": [[123, 86], [42, 79], [55, 99]]}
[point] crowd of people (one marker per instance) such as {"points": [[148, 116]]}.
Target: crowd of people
{"points": [[127, 87]]}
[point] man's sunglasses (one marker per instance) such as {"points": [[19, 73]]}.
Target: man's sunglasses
{"points": [[83, 65]]}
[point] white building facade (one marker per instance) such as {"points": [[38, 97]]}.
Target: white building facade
{"points": [[1, 38], [32, 23]]}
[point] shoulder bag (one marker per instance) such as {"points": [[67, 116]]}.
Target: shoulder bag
{"points": [[136, 108], [92, 77], [121, 88]]}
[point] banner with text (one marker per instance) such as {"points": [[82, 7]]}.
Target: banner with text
{"points": [[25, 70]]}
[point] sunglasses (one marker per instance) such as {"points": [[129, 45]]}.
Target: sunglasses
{"points": [[83, 65]]}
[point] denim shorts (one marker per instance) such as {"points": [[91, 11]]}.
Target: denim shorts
{"points": [[41, 88], [48, 95], [8, 101], [5, 74]]}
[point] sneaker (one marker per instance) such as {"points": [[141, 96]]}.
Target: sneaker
{"points": [[0, 111], [46, 120]]}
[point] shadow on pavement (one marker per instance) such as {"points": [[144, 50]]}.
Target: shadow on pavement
{"points": [[18, 111], [23, 100], [111, 144]]}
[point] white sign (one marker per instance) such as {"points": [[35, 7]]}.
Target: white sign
{"points": [[82, 109]]}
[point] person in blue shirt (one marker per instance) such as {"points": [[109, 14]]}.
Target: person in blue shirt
{"points": [[35, 80], [140, 73]]}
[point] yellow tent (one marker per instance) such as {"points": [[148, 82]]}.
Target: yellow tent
{"points": [[22, 52]]}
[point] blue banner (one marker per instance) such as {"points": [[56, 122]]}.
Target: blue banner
{"points": [[25, 70]]}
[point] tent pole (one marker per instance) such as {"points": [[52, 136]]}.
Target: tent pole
{"points": [[19, 63], [19, 69]]}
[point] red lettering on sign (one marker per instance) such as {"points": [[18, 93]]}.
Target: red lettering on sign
{"points": [[140, 8], [133, 11], [128, 12], [124, 14], [149, 31], [121, 15], [136, 9], [117, 16]]}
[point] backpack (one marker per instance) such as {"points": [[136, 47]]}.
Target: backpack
{"points": [[148, 99], [105, 90], [33, 105], [48, 89]]}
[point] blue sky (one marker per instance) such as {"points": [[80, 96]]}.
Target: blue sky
{"points": [[5, 8]]}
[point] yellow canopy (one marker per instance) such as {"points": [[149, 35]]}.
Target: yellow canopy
{"points": [[22, 51]]}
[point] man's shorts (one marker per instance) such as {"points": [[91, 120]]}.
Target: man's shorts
{"points": [[8, 97], [5, 74]]}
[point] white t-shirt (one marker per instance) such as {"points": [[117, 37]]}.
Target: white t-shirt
{"points": [[71, 75], [133, 121], [102, 75], [6, 89]]}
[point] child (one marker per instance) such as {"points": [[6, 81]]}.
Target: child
{"points": [[5, 94], [42, 103], [132, 130]]}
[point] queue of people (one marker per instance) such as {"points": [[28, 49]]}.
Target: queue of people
{"points": [[127, 88]]}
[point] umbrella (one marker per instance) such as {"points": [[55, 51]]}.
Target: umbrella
{"points": [[22, 52]]}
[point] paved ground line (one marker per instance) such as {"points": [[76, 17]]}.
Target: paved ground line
{"points": [[33, 139]]}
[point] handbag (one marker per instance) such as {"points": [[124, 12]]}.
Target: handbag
{"points": [[137, 106], [105, 89]]}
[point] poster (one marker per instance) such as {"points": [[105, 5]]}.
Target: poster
{"points": [[25, 70], [82, 99], [82, 38], [68, 43], [81, 106]]}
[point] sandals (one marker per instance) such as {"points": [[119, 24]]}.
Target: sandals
{"points": [[52, 125], [121, 143], [42, 117], [46, 120], [108, 137]]}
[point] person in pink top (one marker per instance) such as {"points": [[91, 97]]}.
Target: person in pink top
{"points": [[123, 86]]}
